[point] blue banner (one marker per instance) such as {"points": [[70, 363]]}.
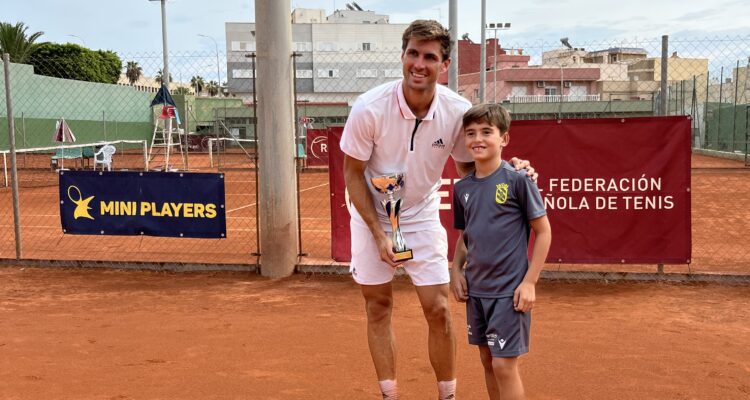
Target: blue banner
{"points": [[172, 204]]}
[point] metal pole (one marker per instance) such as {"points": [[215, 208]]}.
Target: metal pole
{"points": [[255, 159], [278, 213], [483, 54], [721, 98], [218, 69], [12, 148], [165, 68], [664, 75], [494, 68], [706, 136], [453, 67], [734, 108]]}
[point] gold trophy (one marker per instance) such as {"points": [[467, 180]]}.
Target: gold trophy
{"points": [[389, 184]]}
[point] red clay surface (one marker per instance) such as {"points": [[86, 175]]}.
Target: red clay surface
{"points": [[112, 334]]}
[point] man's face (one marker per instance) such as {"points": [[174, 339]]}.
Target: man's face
{"points": [[484, 141], [422, 64]]}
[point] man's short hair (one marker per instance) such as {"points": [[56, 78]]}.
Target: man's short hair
{"points": [[423, 29], [492, 114]]}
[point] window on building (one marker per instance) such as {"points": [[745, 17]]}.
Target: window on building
{"points": [[328, 73], [365, 46], [367, 73], [550, 91], [304, 74], [392, 73], [242, 73]]}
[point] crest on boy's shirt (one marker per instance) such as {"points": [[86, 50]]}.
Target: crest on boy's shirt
{"points": [[466, 198], [501, 194]]}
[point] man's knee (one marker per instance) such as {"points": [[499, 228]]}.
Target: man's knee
{"points": [[378, 308], [505, 368], [438, 314]]}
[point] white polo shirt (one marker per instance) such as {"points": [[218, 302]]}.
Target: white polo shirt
{"points": [[381, 130]]}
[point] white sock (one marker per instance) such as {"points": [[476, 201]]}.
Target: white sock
{"points": [[447, 390], [389, 389]]}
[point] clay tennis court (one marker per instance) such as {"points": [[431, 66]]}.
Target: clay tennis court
{"points": [[111, 334], [720, 222]]}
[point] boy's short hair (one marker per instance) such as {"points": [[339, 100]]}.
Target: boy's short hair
{"points": [[423, 29], [492, 114]]}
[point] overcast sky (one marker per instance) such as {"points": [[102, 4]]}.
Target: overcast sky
{"points": [[134, 26]]}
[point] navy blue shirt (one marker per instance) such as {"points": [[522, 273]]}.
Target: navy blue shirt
{"points": [[494, 213]]}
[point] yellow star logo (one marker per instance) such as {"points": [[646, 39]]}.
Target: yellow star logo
{"points": [[82, 205]]}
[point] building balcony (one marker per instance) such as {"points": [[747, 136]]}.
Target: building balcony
{"points": [[555, 98]]}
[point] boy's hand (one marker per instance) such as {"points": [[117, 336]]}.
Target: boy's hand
{"points": [[458, 285], [524, 297], [521, 164]]}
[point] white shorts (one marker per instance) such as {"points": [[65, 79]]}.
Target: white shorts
{"points": [[428, 267]]}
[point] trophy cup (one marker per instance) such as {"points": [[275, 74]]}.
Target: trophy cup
{"points": [[389, 184]]}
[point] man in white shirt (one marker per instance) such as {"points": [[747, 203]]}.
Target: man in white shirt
{"points": [[409, 126]]}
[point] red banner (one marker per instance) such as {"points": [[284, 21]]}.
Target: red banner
{"points": [[616, 190], [317, 147]]}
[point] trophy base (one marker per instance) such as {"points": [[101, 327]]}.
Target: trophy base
{"points": [[401, 256]]}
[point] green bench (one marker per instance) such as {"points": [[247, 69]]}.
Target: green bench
{"points": [[85, 154]]}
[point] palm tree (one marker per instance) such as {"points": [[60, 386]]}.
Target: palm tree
{"points": [[213, 88], [158, 77], [15, 42], [133, 71], [197, 83]]}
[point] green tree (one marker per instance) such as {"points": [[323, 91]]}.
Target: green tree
{"points": [[71, 61], [197, 83], [158, 77], [182, 90], [133, 71], [15, 42], [213, 88]]}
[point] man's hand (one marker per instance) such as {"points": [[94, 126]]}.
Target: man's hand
{"points": [[458, 285], [519, 164], [385, 246], [524, 297]]}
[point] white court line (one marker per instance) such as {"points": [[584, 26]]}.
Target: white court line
{"points": [[252, 204]]}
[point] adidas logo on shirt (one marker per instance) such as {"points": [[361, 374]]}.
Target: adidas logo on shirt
{"points": [[438, 144]]}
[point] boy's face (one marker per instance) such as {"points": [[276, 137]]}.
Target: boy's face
{"points": [[484, 141]]}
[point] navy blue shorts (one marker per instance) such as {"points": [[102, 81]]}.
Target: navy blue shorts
{"points": [[495, 324]]}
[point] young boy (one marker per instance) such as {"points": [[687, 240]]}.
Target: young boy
{"points": [[494, 208]]}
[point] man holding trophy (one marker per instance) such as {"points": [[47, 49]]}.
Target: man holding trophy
{"points": [[396, 141]]}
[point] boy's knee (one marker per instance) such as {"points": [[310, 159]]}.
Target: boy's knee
{"points": [[486, 357], [505, 367]]}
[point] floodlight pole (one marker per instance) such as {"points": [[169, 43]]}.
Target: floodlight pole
{"points": [[494, 27], [218, 67], [165, 69], [483, 54], [453, 26]]}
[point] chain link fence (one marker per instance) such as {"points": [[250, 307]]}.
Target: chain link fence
{"points": [[707, 78], [214, 133]]}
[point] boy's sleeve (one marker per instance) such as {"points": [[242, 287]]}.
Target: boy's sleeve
{"points": [[358, 138], [529, 198], [458, 210]]}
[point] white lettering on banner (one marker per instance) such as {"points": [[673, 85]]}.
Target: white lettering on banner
{"points": [[641, 184], [564, 194]]}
